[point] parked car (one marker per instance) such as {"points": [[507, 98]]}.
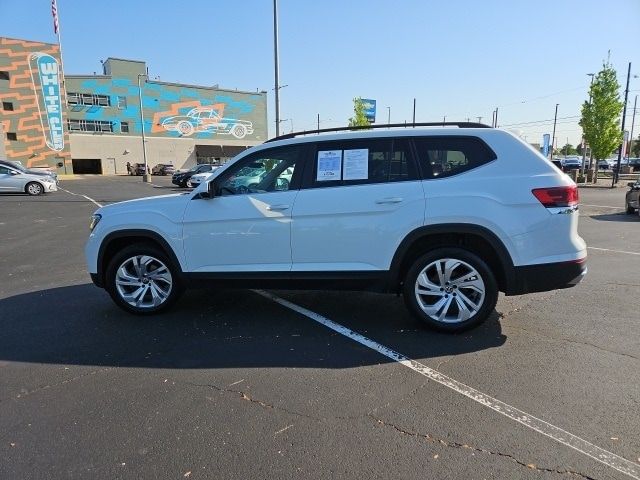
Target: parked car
{"points": [[136, 169], [634, 163], [198, 178], [632, 198], [571, 164], [382, 210], [13, 179], [181, 178], [39, 172], [163, 169], [605, 164]]}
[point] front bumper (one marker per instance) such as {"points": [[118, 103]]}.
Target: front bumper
{"points": [[547, 276]]}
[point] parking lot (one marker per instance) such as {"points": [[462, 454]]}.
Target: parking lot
{"points": [[250, 384]]}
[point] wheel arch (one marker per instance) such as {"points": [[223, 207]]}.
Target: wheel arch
{"points": [[474, 238], [115, 241]]}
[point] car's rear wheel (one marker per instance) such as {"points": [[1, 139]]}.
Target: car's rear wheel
{"points": [[142, 279], [630, 209], [239, 131], [34, 188], [450, 289]]}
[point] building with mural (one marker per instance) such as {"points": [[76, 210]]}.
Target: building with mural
{"points": [[102, 117], [33, 115]]}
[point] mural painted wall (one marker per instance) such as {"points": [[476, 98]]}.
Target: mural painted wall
{"points": [[170, 110], [32, 114]]}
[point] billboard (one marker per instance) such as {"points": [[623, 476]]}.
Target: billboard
{"points": [[370, 109]]}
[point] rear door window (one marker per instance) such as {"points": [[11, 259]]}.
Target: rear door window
{"points": [[441, 157]]}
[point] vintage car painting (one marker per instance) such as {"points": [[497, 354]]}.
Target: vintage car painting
{"points": [[207, 119]]}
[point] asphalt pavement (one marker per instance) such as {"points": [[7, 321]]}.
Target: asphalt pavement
{"points": [[246, 384]]}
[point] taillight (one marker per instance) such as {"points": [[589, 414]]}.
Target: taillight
{"points": [[557, 196]]}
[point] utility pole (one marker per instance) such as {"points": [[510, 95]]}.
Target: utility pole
{"points": [[388, 115], [145, 177], [633, 122], [624, 114], [553, 137], [318, 123], [276, 66], [496, 125], [479, 119], [414, 112]]}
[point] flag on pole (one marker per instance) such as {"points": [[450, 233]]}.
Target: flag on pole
{"points": [[54, 12]]}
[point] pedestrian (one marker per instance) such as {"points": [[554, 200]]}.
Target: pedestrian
{"points": [[128, 168]]}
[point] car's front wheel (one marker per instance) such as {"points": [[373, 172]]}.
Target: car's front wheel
{"points": [[450, 289], [34, 188], [142, 279]]}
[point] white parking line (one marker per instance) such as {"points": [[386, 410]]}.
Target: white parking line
{"points": [[614, 251], [545, 428], [600, 206], [80, 195]]}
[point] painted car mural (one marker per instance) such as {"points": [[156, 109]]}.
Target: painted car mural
{"points": [[207, 119]]}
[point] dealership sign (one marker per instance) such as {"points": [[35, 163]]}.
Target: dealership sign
{"points": [[46, 86], [369, 109]]}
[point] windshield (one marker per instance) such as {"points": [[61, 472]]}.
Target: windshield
{"points": [[15, 165]]}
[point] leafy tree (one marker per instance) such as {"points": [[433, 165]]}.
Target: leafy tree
{"points": [[359, 118], [569, 150], [601, 117], [635, 147]]}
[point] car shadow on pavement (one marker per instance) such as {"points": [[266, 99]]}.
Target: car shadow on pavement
{"points": [[80, 325], [616, 217]]}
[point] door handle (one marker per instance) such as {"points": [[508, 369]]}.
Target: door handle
{"points": [[389, 200], [277, 207]]}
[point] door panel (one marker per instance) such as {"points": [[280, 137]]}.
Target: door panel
{"points": [[10, 182], [239, 233], [353, 228], [246, 227]]}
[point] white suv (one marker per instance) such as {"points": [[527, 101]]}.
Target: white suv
{"points": [[447, 216]]}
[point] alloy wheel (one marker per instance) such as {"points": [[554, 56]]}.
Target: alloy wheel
{"points": [[143, 281], [449, 290]]}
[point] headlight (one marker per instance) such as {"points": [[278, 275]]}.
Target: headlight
{"points": [[95, 219]]}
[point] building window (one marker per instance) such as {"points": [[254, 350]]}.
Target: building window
{"points": [[89, 126], [124, 127], [74, 98], [8, 106], [13, 136], [4, 75], [122, 102]]}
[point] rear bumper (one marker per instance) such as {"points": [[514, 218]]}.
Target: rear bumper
{"points": [[547, 276]]}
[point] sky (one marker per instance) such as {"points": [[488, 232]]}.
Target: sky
{"points": [[460, 58]]}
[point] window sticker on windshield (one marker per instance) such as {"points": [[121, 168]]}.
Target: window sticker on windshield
{"points": [[329, 165], [356, 164]]}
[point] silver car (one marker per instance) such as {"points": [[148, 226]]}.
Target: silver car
{"points": [[12, 179]]}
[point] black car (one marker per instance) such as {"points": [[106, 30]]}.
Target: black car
{"points": [[181, 178], [135, 169], [634, 163], [632, 200]]}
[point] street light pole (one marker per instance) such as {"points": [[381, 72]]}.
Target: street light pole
{"points": [[633, 123], [388, 115], [145, 177], [624, 114], [276, 65], [553, 137]]}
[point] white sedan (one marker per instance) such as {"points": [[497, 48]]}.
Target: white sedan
{"points": [[198, 178], [14, 180]]}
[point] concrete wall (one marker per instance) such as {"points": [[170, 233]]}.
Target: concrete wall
{"points": [[38, 122]]}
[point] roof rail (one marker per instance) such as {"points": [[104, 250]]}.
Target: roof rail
{"points": [[370, 127]]}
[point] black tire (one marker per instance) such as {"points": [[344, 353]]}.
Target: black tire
{"points": [[149, 250], [482, 309], [34, 188], [630, 209]]}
